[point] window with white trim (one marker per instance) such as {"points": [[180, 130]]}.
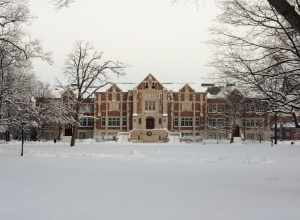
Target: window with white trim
{"points": [[253, 123], [260, 108], [212, 108], [187, 122], [212, 123], [113, 122], [216, 122], [124, 121], [86, 122], [176, 122]]}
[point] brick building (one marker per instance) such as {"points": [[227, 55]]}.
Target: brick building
{"points": [[151, 111]]}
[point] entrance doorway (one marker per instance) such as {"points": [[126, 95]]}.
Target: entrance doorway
{"points": [[236, 131], [150, 123]]}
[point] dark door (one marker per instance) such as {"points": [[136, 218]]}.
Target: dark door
{"points": [[150, 123], [236, 131]]}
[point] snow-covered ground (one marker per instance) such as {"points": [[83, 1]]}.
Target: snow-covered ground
{"points": [[150, 182]]}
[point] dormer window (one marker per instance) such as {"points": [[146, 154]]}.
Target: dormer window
{"points": [[153, 85]]}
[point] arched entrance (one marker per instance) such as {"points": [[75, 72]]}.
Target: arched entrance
{"points": [[150, 123]]}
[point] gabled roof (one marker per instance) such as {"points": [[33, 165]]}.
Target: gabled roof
{"points": [[187, 87], [170, 86], [149, 78], [115, 88]]}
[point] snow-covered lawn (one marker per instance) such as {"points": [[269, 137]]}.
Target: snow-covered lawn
{"points": [[150, 182]]}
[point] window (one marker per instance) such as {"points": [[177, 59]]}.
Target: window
{"points": [[140, 121], [216, 123], [212, 108], [176, 122], [159, 121], [103, 122], [197, 121], [250, 136], [153, 86], [187, 122], [260, 108], [113, 122], [216, 136], [252, 123], [220, 123], [124, 121], [212, 123], [250, 108], [86, 122], [221, 108], [150, 105]]}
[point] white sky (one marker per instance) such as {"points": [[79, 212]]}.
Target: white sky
{"points": [[151, 36]]}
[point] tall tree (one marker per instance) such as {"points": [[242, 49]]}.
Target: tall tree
{"points": [[260, 50], [16, 52], [87, 72]]}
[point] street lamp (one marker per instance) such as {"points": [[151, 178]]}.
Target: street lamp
{"points": [[22, 136]]}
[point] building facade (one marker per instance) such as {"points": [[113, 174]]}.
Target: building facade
{"points": [[151, 111]]}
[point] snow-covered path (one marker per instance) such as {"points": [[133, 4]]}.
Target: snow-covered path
{"points": [[131, 181]]}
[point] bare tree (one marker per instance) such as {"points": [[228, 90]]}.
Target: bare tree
{"points": [[234, 101], [260, 50], [87, 72], [16, 78]]}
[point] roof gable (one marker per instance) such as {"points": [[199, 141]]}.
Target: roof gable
{"points": [[114, 88], [150, 82], [186, 88]]}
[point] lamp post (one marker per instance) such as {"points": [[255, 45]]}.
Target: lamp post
{"points": [[22, 138]]}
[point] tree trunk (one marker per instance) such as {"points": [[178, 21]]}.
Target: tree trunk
{"points": [[59, 132], [275, 128], [74, 135], [7, 136], [75, 125], [288, 11], [295, 120]]}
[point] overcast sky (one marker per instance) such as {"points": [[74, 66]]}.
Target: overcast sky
{"points": [[150, 36]]}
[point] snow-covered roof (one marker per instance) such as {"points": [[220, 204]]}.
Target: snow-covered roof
{"points": [[219, 93], [175, 87]]}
